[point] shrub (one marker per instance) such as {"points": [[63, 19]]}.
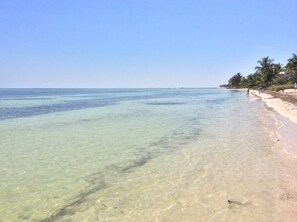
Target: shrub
{"points": [[281, 87]]}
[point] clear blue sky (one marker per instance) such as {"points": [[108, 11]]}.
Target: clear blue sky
{"points": [[140, 43]]}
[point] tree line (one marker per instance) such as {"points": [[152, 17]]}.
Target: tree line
{"points": [[267, 75]]}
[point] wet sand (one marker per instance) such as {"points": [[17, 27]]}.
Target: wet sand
{"points": [[284, 105]]}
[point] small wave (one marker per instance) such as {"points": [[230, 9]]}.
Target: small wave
{"points": [[165, 103]]}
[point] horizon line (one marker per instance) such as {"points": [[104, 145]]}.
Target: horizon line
{"points": [[203, 87]]}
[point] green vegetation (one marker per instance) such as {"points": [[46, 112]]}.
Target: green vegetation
{"points": [[268, 75], [280, 87]]}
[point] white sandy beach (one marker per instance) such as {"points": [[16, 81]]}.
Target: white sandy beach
{"points": [[286, 138], [284, 108], [287, 118]]}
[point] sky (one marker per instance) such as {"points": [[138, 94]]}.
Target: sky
{"points": [[140, 43]]}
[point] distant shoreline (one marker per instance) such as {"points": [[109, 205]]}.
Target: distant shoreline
{"points": [[283, 103]]}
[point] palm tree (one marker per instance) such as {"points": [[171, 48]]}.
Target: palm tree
{"points": [[276, 69], [266, 70], [292, 68], [234, 81], [253, 79], [292, 63]]}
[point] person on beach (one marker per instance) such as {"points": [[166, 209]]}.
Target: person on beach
{"points": [[295, 86], [248, 92]]}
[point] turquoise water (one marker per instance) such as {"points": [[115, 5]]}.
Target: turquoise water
{"points": [[135, 155]]}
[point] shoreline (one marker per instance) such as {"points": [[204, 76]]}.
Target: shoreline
{"points": [[286, 116], [277, 102], [284, 106], [285, 113]]}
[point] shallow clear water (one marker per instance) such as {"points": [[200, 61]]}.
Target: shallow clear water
{"points": [[135, 155]]}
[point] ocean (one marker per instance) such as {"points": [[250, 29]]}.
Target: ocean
{"points": [[137, 155]]}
